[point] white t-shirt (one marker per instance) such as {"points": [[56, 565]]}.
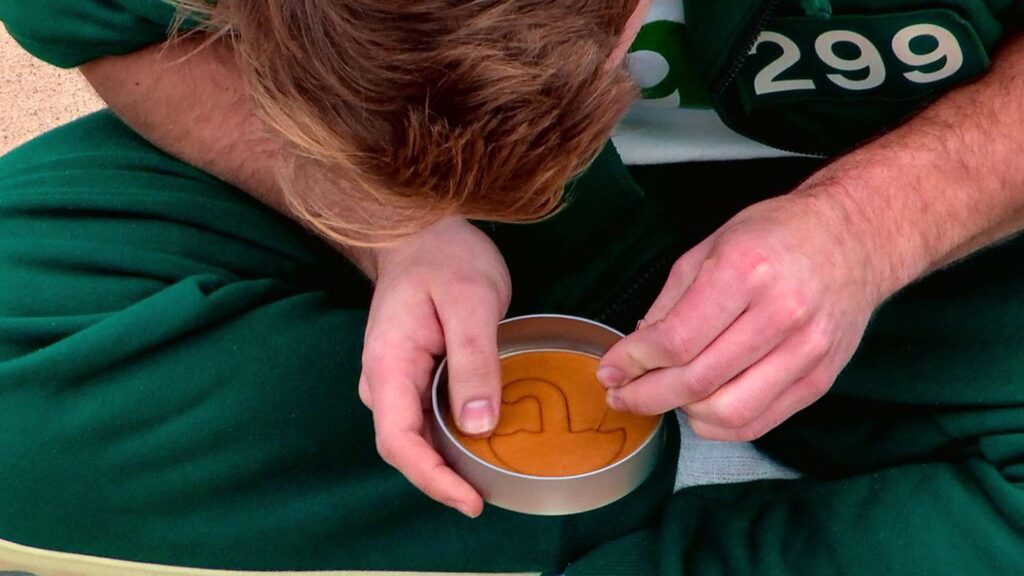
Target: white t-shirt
{"points": [[674, 122]]}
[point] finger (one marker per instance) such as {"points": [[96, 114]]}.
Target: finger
{"points": [[469, 320], [401, 443], [402, 329], [656, 392], [679, 279], [744, 399], [398, 360], [705, 310], [800, 395], [364, 392], [754, 334]]}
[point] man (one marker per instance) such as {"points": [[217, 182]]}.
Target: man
{"points": [[191, 338]]}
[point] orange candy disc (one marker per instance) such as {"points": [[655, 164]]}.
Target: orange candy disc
{"points": [[554, 420]]}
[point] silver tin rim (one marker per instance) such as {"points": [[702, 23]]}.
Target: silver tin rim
{"points": [[650, 447]]}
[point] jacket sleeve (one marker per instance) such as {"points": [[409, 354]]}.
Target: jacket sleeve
{"points": [[68, 33]]}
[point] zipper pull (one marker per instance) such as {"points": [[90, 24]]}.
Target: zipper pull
{"points": [[820, 9]]}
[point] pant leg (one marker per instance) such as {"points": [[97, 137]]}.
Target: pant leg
{"points": [[178, 372]]}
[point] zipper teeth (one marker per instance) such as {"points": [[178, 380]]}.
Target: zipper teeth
{"points": [[757, 25], [657, 266]]}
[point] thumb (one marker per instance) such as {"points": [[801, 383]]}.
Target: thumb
{"points": [[470, 323]]}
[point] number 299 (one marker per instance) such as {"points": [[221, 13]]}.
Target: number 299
{"points": [[868, 66]]}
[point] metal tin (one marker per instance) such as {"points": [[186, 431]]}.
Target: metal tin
{"points": [[543, 495]]}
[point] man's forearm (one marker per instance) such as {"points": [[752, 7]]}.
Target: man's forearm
{"points": [[192, 103], [948, 182]]}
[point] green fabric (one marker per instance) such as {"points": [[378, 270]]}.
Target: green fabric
{"points": [[178, 364], [913, 463], [68, 33], [178, 367], [707, 60], [822, 116], [817, 8], [668, 39], [178, 371]]}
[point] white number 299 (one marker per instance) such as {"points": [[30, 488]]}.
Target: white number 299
{"points": [[947, 49]]}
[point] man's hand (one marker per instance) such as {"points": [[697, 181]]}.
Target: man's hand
{"points": [[753, 324], [444, 289], [756, 322]]}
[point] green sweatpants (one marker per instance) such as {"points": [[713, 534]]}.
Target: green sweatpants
{"points": [[178, 373]]}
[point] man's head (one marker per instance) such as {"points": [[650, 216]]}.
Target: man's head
{"points": [[421, 109]]}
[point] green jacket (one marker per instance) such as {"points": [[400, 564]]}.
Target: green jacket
{"points": [[812, 76], [819, 76]]}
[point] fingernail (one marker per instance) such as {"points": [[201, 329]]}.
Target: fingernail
{"points": [[640, 324], [477, 417], [464, 508], [610, 376], [614, 402]]}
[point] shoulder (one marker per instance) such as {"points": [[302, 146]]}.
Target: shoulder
{"points": [[68, 33]]}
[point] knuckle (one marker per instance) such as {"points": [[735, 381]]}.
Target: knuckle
{"points": [[386, 448], [709, 432], [409, 278], [698, 387], [624, 403], [462, 284], [417, 276], [474, 372], [364, 395], [473, 384], [465, 289], [819, 386], [679, 269], [752, 265], [376, 350], [735, 414], [379, 368], [373, 350], [795, 308], [502, 287], [471, 343], [503, 296], [719, 434], [818, 342], [750, 433], [373, 362], [677, 342], [644, 403]]}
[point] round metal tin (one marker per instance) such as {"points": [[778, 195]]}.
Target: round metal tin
{"points": [[544, 495]]}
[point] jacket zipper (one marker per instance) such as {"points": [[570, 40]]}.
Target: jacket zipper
{"points": [[753, 29], [652, 270]]}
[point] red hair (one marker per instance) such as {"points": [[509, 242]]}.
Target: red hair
{"points": [[416, 110]]}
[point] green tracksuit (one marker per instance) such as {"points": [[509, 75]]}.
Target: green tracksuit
{"points": [[178, 372]]}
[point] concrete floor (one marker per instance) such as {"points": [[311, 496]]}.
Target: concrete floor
{"points": [[35, 96]]}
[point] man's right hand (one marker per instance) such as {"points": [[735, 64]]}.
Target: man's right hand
{"points": [[443, 290]]}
